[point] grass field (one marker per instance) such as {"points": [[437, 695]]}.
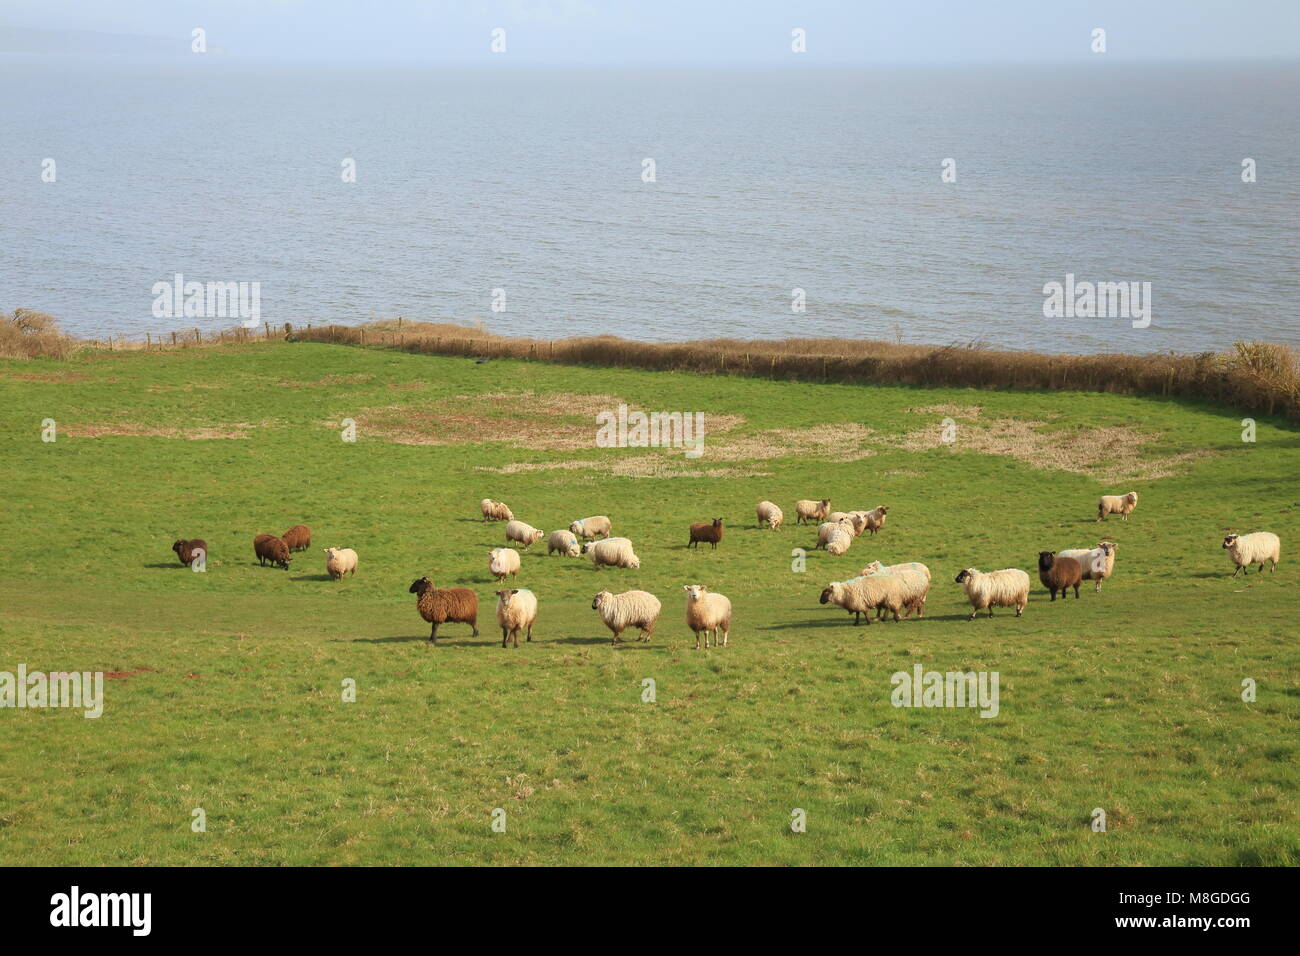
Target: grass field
{"points": [[225, 687]]}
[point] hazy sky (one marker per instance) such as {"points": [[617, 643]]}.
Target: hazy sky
{"points": [[694, 32]]}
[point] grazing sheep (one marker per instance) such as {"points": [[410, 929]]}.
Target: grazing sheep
{"points": [[807, 511], [340, 561], [503, 562], [615, 552], [297, 538], [597, 526], [874, 519], [1059, 574], [1097, 563], [862, 595], [522, 532], [839, 540], [516, 611], [495, 510], [268, 547], [770, 515], [1257, 547], [856, 520], [915, 578], [704, 531], [707, 612], [639, 609], [1006, 588], [447, 606], [564, 542], [188, 551], [829, 527], [1121, 505]]}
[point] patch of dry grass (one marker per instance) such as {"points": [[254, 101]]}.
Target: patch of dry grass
{"points": [[27, 334]]}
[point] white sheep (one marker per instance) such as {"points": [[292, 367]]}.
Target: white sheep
{"points": [[503, 562], [516, 611], [639, 609], [828, 527], [522, 532], [616, 552], [916, 582], [1254, 548], [564, 542], [1006, 588], [839, 540], [340, 561], [1097, 563], [770, 515], [874, 519], [597, 526], [1121, 505], [707, 611], [862, 595], [807, 511], [495, 510]]}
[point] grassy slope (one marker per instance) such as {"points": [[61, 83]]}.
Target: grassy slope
{"points": [[1128, 700]]}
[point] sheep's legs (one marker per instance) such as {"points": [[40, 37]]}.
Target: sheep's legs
{"points": [[530, 636], [433, 635]]}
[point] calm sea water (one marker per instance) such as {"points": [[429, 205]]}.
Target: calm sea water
{"points": [[531, 181]]}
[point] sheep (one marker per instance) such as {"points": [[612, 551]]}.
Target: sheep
{"points": [[503, 562], [639, 609], [188, 551], [1247, 549], [449, 605], [829, 527], [874, 519], [340, 561], [704, 531], [1006, 588], [616, 552], [707, 611], [770, 515], [839, 542], [857, 520], [863, 595], [524, 533], [1121, 505], [268, 547], [597, 526], [1059, 574], [516, 611], [915, 578], [495, 510], [563, 542], [807, 511], [1097, 563], [297, 538]]}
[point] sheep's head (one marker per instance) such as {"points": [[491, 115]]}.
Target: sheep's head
{"points": [[1131, 497], [576, 527], [965, 575], [882, 510], [536, 536], [1230, 540], [717, 522], [1045, 560], [599, 600], [505, 596], [179, 545], [829, 592], [420, 586], [875, 567], [694, 591], [635, 563]]}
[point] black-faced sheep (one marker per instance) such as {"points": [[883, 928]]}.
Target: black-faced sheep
{"points": [[1006, 588], [445, 606], [187, 551], [1059, 574], [704, 531], [268, 547], [1248, 549]]}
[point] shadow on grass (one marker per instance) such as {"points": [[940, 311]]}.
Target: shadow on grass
{"points": [[169, 565], [312, 577]]}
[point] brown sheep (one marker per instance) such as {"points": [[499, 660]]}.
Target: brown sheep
{"points": [[187, 551], [704, 531], [1059, 574], [268, 547], [297, 538], [876, 518], [447, 605]]}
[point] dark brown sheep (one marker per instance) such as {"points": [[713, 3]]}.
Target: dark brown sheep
{"points": [[268, 547], [703, 531], [298, 538], [1058, 574], [187, 551], [449, 605]]}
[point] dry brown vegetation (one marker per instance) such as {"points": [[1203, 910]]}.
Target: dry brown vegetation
{"points": [[1252, 376], [28, 334]]}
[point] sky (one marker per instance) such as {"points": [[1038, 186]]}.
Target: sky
{"points": [[689, 32]]}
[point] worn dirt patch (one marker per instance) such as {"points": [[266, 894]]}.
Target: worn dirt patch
{"points": [[949, 411], [838, 441], [1109, 453]]}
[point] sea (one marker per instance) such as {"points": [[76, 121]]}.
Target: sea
{"points": [[909, 204]]}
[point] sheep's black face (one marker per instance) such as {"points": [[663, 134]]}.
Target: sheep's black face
{"points": [[826, 596], [1229, 541], [1045, 559], [178, 546], [419, 587], [717, 522], [961, 578]]}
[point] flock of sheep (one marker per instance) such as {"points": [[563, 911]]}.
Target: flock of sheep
{"points": [[883, 589]]}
